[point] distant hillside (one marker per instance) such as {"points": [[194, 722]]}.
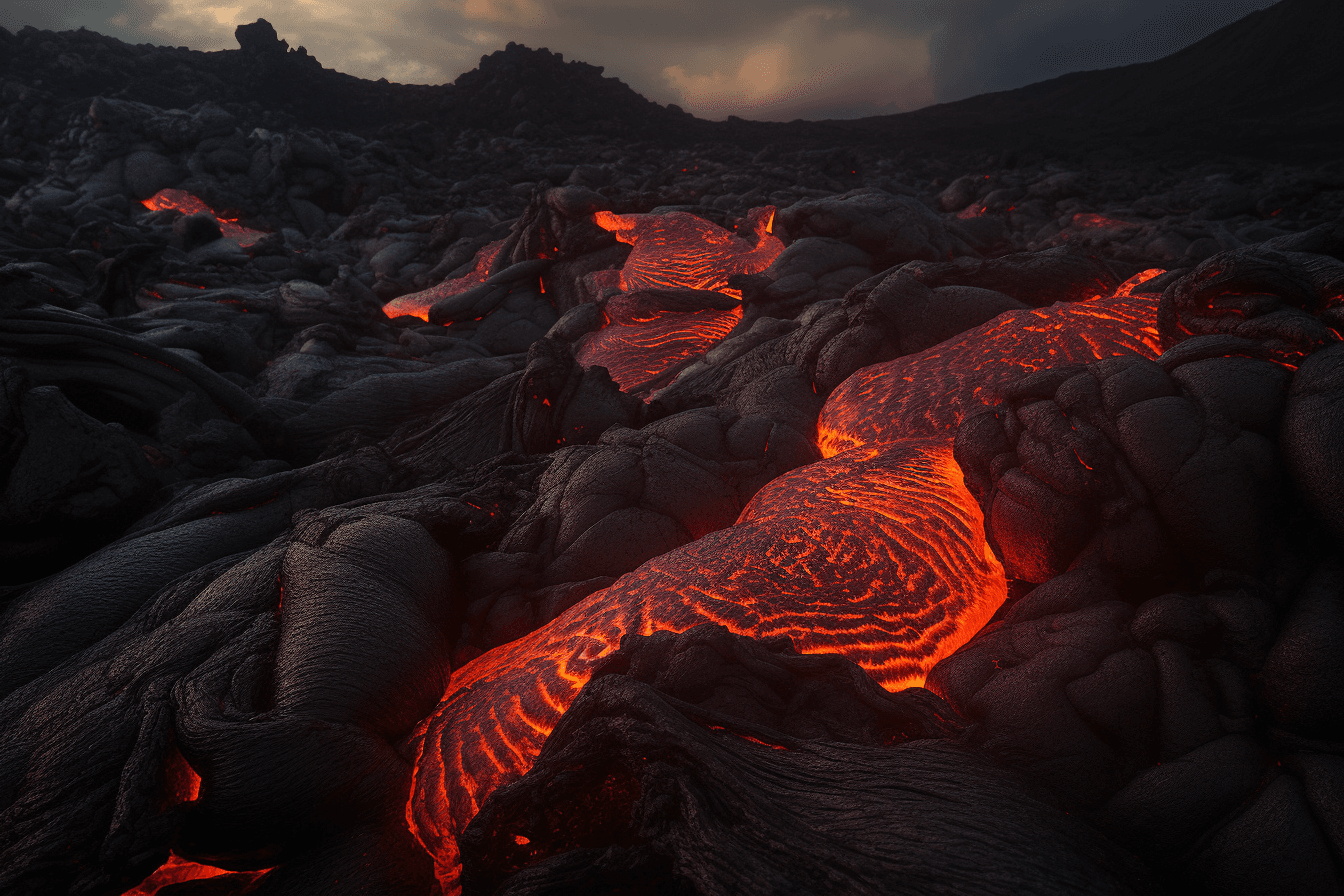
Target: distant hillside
{"points": [[510, 86], [1268, 84], [1272, 82]]}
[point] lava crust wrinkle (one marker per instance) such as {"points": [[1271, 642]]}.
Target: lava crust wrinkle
{"points": [[729, 765]]}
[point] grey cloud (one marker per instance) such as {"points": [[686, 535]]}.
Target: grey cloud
{"points": [[917, 51], [60, 15], [50, 15], [977, 45], [688, 23]]}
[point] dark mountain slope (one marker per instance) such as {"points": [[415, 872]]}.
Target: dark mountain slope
{"points": [[1266, 85], [1269, 83], [510, 86]]}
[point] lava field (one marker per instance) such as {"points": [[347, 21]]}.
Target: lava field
{"points": [[519, 487]]}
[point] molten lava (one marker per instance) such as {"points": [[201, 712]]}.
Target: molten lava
{"points": [[1126, 289], [419, 303], [643, 346], [681, 250], [177, 869], [878, 554], [1093, 221], [188, 204], [928, 394], [184, 786]]}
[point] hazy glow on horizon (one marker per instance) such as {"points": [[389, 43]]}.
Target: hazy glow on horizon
{"points": [[762, 59], [804, 60]]}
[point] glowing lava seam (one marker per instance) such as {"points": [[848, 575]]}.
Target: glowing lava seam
{"points": [[928, 394], [682, 250], [188, 204], [878, 554], [672, 251], [638, 354], [418, 304]]}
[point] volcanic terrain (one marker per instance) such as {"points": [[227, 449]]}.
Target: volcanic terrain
{"points": [[520, 487]]}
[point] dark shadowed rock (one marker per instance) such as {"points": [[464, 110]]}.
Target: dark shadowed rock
{"points": [[689, 737], [259, 38]]}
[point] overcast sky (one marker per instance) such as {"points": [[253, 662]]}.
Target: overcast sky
{"points": [[759, 59]]}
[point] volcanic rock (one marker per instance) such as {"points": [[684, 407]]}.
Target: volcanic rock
{"points": [[741, 733], [358, 442]]}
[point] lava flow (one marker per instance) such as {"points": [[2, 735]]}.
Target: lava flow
{"points": [[177, 870], [417, 304], [188, 204], [878, 554], [185, 786], [894, 400], [644, 346], [678, 249]]}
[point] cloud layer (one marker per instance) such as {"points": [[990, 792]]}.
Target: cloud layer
{"points": [[760, 59]]}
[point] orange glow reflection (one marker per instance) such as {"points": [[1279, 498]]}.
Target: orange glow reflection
{"points": [[1094, 221]]}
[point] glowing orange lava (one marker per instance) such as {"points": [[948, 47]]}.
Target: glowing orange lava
{"points": [[419, 303], [1094, 221], [1126, 289], [183, 787], [188, 204], [177, 869], [678, 249], [641, 346], [898, 399], [878, 554]]}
